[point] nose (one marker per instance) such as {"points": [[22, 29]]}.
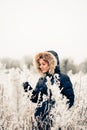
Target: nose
{"points": [[40, 66]]}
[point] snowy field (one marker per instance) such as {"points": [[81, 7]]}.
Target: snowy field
{"points": [[17, 111]]}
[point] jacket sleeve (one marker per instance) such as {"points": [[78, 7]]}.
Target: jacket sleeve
{"points": [[35, 92], [40, 87], [67, 89]]}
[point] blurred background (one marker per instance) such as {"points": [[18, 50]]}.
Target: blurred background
{"points": [[28, 27]]}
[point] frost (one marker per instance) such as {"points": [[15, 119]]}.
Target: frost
{"points": [[17, 111]]}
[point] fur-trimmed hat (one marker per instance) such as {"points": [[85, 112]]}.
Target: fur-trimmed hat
{"points": [[47, 56]]}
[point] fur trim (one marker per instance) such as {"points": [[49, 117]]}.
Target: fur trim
{"points": [[48, 57]]}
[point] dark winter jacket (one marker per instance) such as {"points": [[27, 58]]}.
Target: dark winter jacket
{"points": [[65, 83]]}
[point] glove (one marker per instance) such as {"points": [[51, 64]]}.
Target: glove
{"points": [[27, 86], [34, 98]]}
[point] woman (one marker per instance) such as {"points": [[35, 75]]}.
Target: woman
{"points": [[47, 64]]}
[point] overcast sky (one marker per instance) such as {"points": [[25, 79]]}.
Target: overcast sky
{"points": [[30, 26]]}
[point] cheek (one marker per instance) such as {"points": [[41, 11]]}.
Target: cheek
{"points": [[47, 67]]}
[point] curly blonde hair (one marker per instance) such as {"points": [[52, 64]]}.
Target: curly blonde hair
{"points": [[49, 58]]}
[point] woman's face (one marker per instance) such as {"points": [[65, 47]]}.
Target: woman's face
{"points": [[44, 66]]}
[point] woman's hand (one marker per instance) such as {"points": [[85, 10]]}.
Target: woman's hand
{"points": [[27, 87]]}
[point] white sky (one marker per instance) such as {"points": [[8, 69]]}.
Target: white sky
{"points": [[30, 26]]}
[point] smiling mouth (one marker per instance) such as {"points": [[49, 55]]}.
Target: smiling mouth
{"points": [[42, 70]]}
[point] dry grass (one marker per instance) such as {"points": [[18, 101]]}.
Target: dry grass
{"points": [[17, 112]]}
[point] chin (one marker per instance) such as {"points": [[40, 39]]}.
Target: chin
{"points": [[43, 72]]}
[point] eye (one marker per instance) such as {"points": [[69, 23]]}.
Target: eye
{"points": [[43, 64]]}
